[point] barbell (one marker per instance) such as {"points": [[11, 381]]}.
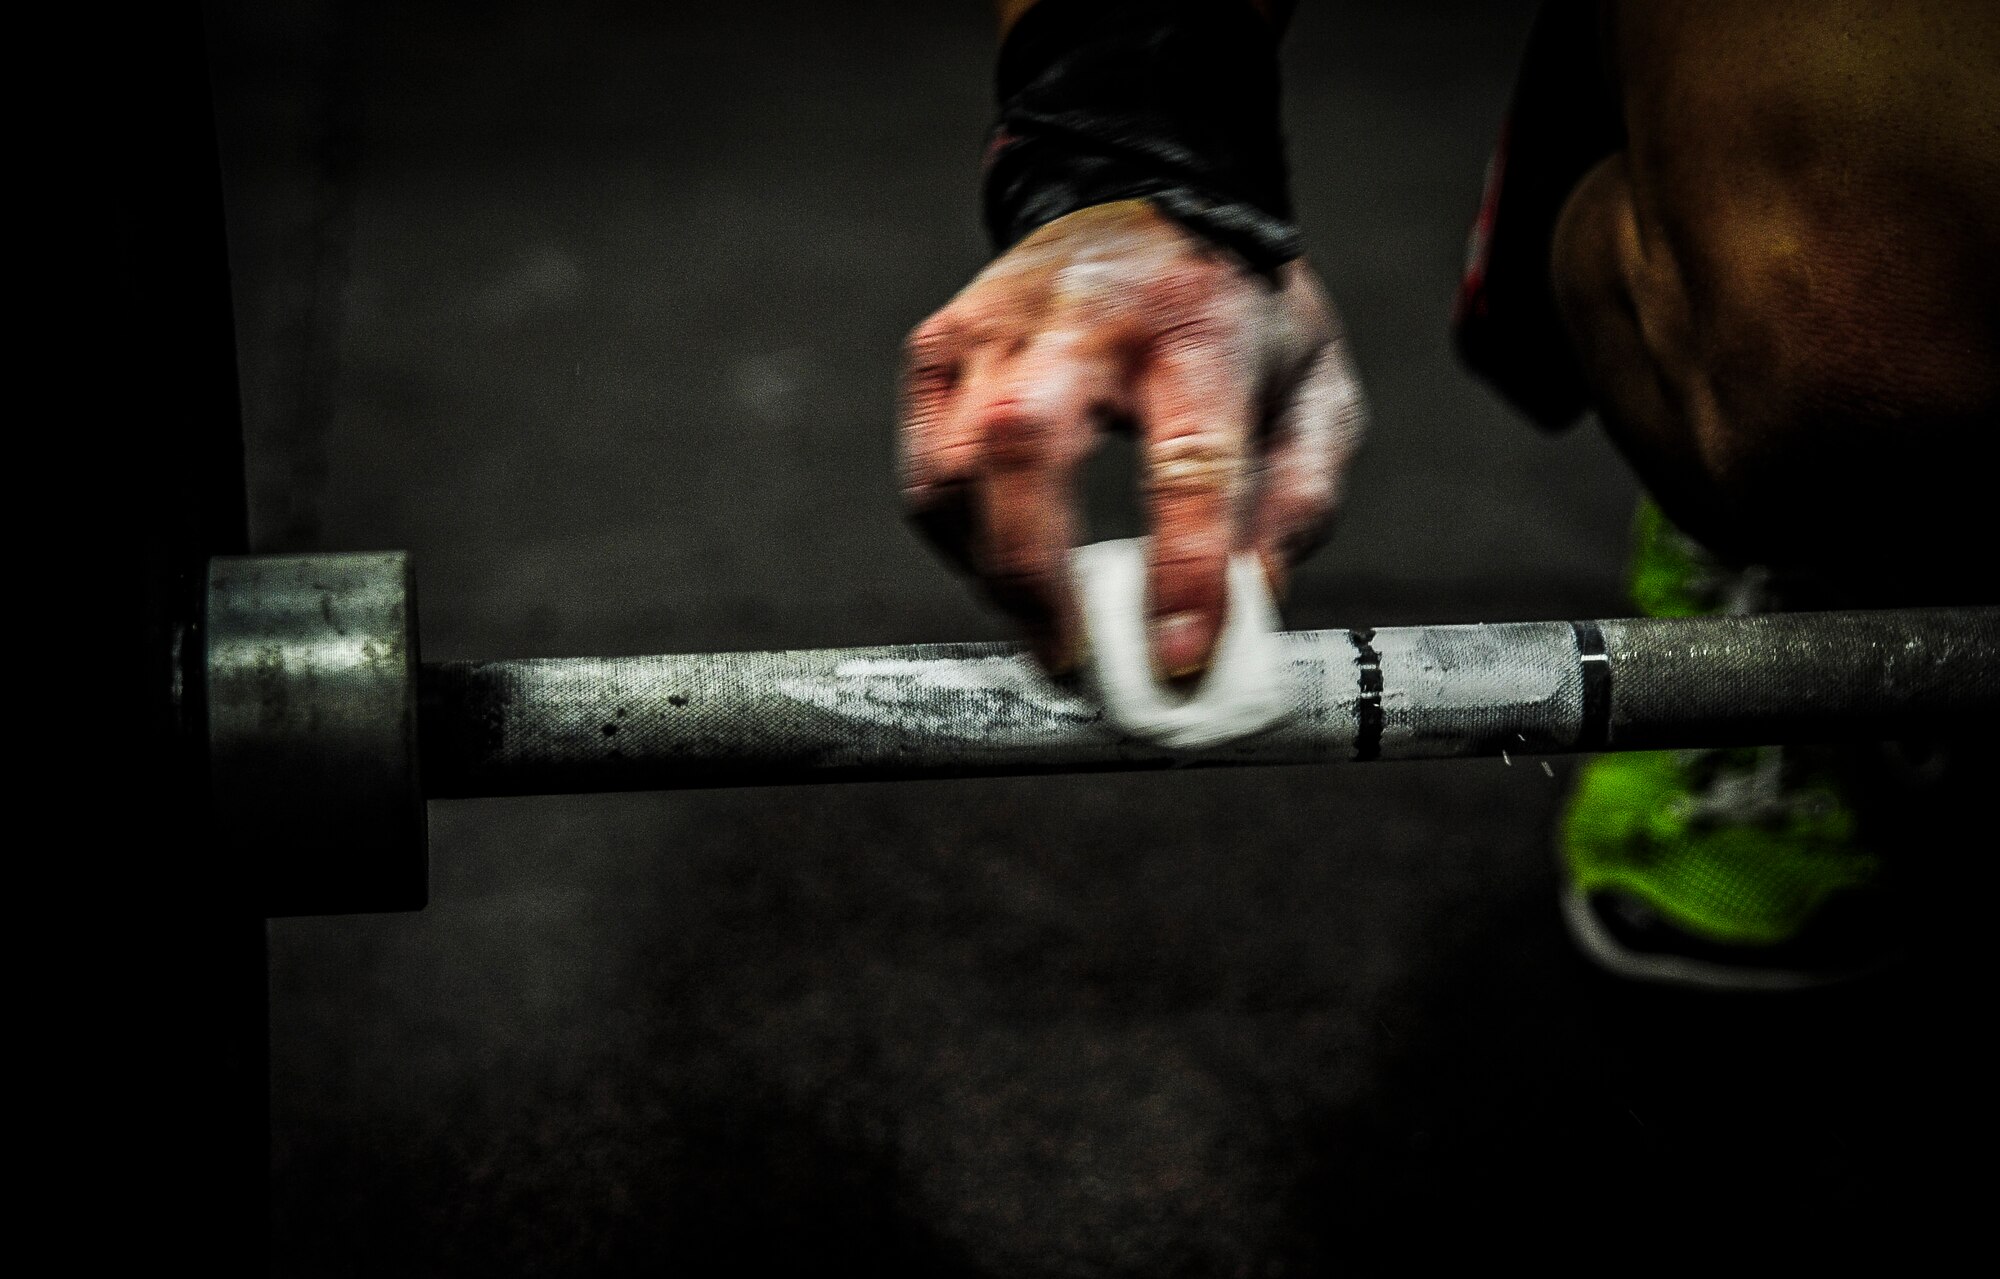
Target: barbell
{"points": [[326, 733]]}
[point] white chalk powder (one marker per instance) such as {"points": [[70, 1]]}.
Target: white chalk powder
{"points": [[1241, 694]]}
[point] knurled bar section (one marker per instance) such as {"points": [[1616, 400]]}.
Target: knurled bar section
{"points": [[638, 723]]}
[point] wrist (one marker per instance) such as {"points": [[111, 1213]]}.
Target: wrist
{"points": [[1173, 101]]}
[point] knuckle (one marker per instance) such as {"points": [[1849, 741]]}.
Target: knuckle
{"points": [[931, 380], [930, 363], [1015, 435], [1178, 586], [1314, 497], [1190, 554], [1202, 357], [931, 340], [1302, 491], [1200, 561]]}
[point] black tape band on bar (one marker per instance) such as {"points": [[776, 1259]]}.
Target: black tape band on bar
{"points": [[1174, 101], [1368, 706], [1595, 732]]}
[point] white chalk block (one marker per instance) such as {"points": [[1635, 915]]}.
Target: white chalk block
{"points": [[1242, 692]]}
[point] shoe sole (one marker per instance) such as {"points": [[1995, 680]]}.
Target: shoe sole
{"points": [[1654, 968]]}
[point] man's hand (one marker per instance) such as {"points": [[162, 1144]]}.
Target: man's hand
{"points": [[1240, 394]]}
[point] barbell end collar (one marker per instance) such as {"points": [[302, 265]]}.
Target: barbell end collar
{"points": [[311, 674]]}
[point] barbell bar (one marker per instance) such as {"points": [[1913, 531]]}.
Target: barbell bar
{"points": [[326, 734]]}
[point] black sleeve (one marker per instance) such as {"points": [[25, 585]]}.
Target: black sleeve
{"points": [[1563, 119], [1175, 101]]}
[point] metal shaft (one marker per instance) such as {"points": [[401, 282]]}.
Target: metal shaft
{"points": [[956, 710]]}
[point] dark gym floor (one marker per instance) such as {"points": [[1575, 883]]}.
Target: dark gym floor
{"points": [[595, 310]]}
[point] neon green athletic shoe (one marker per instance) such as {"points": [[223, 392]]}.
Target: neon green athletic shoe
{"points": [[1729, 869]]}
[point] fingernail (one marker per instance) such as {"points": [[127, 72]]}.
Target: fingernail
{"points": [[1179, 647]]}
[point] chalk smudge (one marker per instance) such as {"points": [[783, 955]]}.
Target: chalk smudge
{"points": [[1000, 700]]}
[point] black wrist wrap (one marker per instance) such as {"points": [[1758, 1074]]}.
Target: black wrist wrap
{"points": [[1175, 101]]}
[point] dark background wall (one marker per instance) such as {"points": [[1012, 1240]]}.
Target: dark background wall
{"points": [[595, 309]]}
